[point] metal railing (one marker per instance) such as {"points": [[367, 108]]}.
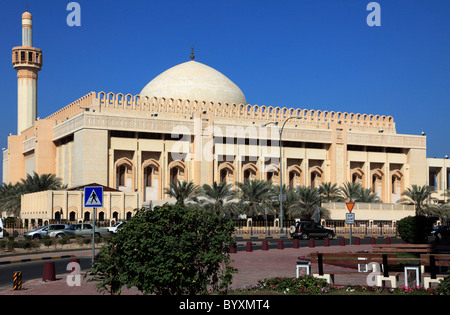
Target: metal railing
{"points": [[249, 228]]}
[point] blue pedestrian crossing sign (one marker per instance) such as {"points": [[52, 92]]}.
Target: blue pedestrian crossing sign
{"points": [[93, 197]]}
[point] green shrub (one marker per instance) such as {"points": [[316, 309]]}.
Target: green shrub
{"points": [[63, 240], [35, 243], [171, 249], [79, 239], [25, 244], [11, 244], [48, 241], [443, 287], [415, 230], [86, 241]]}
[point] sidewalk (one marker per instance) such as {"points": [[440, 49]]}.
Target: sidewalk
{"points": [[252, 266]]}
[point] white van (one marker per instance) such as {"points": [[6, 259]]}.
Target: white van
{"points": [[1, 228]]}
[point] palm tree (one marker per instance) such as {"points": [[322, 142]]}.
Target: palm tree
{"points": [[290, 203], [255, 196], [182, 191], [10, 195], [351, 191], [418, 196], [367, 195], [10, 198], [330, 192], [36, 182], [309, 200], [219, 198]]}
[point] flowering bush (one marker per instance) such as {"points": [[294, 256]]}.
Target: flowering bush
{"points": [[309, 285], [381, 290], [303, 285]]}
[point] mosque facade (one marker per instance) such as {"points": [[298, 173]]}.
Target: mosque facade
{"points": [[192, 123]]}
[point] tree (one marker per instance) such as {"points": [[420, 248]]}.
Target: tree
{"points": [[351, 191], [367, 195], [330, 192], [219, 198], [10, 198], [415, 229], [255, 196], [10, 195], [309, 200], [418, 196], [169, 250], [35, 182], [443, 211], [182, 191]]}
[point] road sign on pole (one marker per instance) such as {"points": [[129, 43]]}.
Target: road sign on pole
{"points": [[350, 217], [93, 198]]}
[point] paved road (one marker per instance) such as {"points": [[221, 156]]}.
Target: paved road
{"points": [[34, 270]]}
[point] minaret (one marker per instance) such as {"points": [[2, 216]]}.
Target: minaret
{"points": [[27, 60]]}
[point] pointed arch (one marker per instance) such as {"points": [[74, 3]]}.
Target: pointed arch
{"points": [[249, 171], [124, 174], [226, 173], [294, 176]]}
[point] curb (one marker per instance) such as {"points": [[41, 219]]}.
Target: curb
{"points": [[35, 259]]}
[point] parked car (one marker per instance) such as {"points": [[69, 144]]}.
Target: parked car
{"points": [[84, 230], [442, 231], [52, 230], [310, 229], [115, 228]]}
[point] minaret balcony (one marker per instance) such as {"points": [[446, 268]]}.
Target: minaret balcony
{"points": [[27, 58]]}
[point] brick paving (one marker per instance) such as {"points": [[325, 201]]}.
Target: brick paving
{"points": [[252, 266]]}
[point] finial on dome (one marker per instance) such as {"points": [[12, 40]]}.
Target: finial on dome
{"points": [[192, 53]]}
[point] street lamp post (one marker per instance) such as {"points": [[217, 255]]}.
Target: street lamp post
{"points": [[280, 131]]}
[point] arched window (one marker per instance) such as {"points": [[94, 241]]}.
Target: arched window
{"points": [[177, 171], [272, 174], [357, 176], [124, 175], [250, 172], [397, 186], [295, 176], [377, 182], [316, 175], [226, 173], [151, 180]]}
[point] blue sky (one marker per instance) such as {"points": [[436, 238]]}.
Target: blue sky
{"points": [[313, 54]]}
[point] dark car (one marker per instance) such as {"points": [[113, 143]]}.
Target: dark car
{"points": [[310, 229], [442, 231]]}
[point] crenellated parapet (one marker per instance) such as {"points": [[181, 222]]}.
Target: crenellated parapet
{"points": [[245, 112]]}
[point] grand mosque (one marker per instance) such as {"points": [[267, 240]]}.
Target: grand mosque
{"points": [[192, 123]]}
